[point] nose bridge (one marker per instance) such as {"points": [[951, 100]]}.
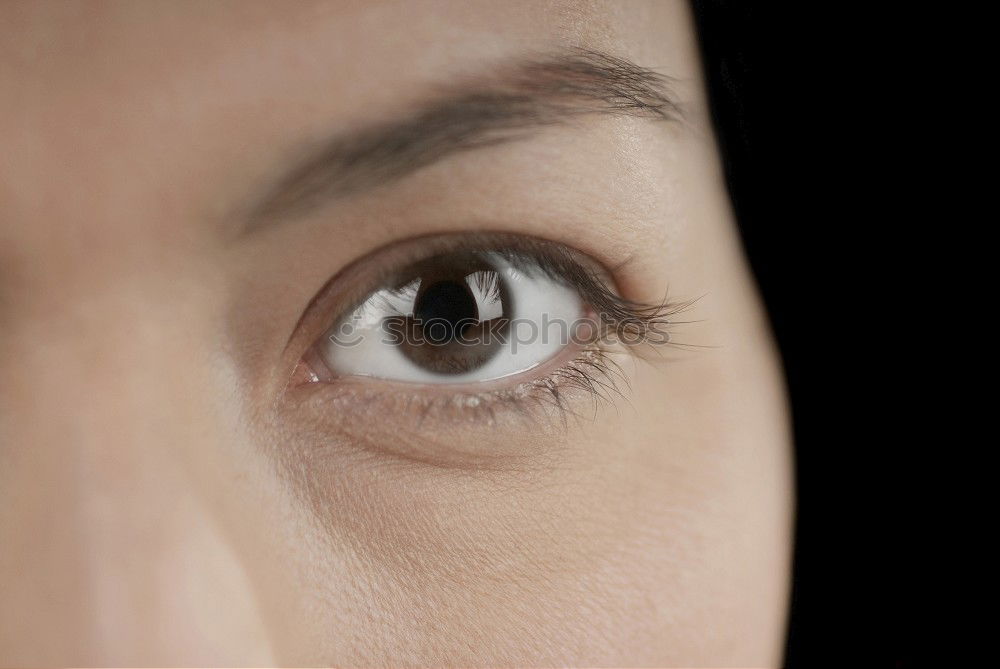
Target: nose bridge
{"points": [[78, 444], [71, 354], [97, 503]]}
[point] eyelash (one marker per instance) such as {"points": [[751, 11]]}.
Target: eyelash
{"points": [[592, 368]]}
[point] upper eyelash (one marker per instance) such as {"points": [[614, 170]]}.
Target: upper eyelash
{"points": [[635, 321]]}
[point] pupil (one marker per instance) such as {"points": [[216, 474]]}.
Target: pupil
{"points": [[443, 307], [460, 314]]}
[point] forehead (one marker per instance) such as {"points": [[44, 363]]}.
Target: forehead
{"points": [[360, 52], [361, 43]]}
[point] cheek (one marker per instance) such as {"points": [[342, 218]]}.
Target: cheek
{"points": [[556, 559], [635, 540]]}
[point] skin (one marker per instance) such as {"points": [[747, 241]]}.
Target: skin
{"points": [[164, 501]]}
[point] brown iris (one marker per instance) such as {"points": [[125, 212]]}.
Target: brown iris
{"points": [[460, 315]]}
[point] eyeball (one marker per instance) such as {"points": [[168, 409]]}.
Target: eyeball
{"points": [[455, 318]]}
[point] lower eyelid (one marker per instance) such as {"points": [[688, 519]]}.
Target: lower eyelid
{"points": [[390, 416]]}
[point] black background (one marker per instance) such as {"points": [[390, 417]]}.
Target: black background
{"points": [[783, 86]]}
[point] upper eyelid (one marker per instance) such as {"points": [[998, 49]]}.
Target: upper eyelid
{"points": [[358, 278]]}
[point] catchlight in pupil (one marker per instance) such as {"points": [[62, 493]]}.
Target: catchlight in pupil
{"points": [[458, 302], [447, 305]]}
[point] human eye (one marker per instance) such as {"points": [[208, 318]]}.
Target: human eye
{"points": [[464, 321], [460, 317]]}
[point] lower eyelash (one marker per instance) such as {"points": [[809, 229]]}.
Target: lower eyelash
{"points": [[591, 373], [634, 326], [626, 329], [553, 399], [593, 370]]}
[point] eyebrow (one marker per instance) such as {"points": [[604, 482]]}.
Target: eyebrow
{"points": [[507, 105]]}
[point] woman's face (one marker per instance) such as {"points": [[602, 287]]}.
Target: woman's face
{"points": [[198, 201]]}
